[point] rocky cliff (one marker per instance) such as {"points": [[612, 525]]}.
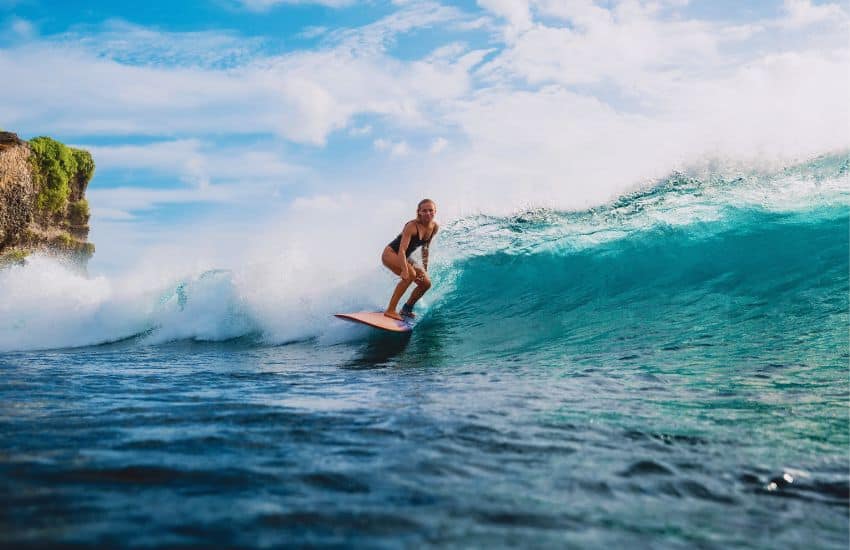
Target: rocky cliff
{"points": [[42, 199]]}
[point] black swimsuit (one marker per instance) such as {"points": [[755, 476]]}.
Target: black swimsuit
{"points": [[415, 242]]}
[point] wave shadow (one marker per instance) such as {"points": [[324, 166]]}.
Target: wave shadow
{"points": [[379, 351]]}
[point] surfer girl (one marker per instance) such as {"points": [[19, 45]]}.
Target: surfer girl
{"points": [[396, 257]]}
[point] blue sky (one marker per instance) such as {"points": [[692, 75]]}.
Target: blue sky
{"points": [[226, 112]]}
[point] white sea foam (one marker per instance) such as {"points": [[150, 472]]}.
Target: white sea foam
{"points": [[46, 304], [284, 286]]}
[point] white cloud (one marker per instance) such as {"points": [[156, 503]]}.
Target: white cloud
{"points": [[135, 45], [357, 131], [801, 13], [516, 12], [558, 148], [137, 198], [323, 203], [111, 214], [375, 37], [740, 32], [179, 157], [302, 96], [627, 45], [226, 176], [472, 24], [381, 144], [438, 145], [197, 164], [124, 200], [400, 149], [396, 149], [583, 13], [312, 32]]}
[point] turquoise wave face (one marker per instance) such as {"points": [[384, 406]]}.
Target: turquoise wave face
{"points": [[752, 281], [754, 265]]}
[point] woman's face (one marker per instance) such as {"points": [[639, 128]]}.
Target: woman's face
{"points": [[426, 212]]}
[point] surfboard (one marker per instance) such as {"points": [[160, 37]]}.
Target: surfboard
{"points": [[377, 319]]}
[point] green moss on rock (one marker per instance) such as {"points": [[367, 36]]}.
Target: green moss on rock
{"points": [[13, 257], [63, 240], [78, 212], [57, 168], [85, 164]]}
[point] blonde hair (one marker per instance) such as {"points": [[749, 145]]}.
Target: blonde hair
{"points": [[423, 201]]}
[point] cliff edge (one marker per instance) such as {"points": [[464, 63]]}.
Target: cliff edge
{"points": [[42, 199]]}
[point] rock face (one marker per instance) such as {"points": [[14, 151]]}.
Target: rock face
{"points": [[17, 191], [42, 199]]}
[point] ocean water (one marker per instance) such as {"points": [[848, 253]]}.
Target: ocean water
{"points": [[669, 370]]}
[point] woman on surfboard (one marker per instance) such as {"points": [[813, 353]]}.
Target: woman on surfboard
{"points": [[396, 257]]}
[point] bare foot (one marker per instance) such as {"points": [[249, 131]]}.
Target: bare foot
{"points": [[392, 315], [408, 314]]}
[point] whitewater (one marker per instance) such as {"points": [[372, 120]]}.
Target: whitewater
{"points": [[669, 368]]}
